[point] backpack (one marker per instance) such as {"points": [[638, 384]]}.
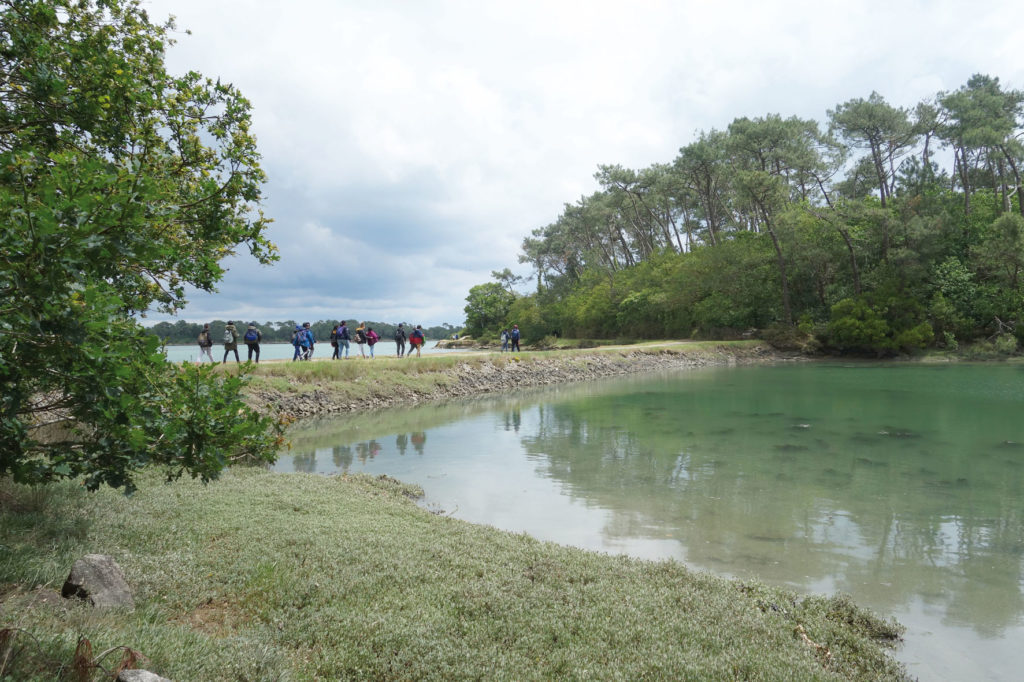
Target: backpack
{"points": [[399, 335], [252, 336], [229, 336], [204, 339], [360, 336], [515, 334]]}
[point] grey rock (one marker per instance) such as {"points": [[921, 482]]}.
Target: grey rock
{"points": [[98, 579], [140, 676]]}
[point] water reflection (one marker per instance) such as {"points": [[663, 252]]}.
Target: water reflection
{"points": [[901, 486]]}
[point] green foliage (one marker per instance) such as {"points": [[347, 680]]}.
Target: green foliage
{"points": [[119, 185], [858, 325], [756, 225], [487, 308]]}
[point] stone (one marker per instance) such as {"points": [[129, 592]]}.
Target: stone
{"points": [[98, 579], [139, 676]]}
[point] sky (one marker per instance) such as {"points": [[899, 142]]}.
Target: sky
{"points": [[411, 146]]}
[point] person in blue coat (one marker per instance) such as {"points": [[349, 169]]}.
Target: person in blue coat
{"points": [[297, 337]]}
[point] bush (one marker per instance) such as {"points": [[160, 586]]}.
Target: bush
{"points": [[857, 325]]}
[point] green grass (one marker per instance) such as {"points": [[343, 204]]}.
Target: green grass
{"points": [[263, 576]]}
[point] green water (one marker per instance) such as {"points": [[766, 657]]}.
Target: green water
{"points": [[899, 484]]}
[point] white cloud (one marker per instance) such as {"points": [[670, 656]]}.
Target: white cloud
{"points": [[418, 143]]}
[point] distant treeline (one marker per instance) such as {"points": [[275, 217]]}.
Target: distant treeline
{"points": [[182, 332], [884, 230]]}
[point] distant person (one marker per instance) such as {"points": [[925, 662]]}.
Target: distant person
{"points": [[311, 342], [371, 339], [334, 341], [416, 340], [515, 338], [297, 338], [400, 338], [252, 339], [343, 338], [205, 343], [230, 342], [361, 339], [505, 336]]}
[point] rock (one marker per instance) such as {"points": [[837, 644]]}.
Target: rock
{"points": [[139, 676], [98, 579]]}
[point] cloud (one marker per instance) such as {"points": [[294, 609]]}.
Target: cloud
{"points": [[411, 146]]}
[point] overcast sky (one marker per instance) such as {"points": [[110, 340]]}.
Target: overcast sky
{"points": [[411, 146]]}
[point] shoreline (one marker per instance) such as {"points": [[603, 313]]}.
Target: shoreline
{"points": [[349, 388]]}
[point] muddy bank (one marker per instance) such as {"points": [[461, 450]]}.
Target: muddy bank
{"points": [[478, 375]]}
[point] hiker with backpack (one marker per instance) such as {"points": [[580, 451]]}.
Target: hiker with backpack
{"points": [[400, 338], [343, 338], [298, 337], [205, 343], [505, 336], [230, 342], [515, 338], [416, 340], [371, 339], [361, 338], [310, 341], [252, 339]]}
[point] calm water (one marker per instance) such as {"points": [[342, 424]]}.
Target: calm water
{"points": [[900, 485], [285, 351]]}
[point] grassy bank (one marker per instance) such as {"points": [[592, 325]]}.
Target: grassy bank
{"points": [[304, 389], [264, 576]]}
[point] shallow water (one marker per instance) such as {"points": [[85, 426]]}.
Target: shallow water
{"points": [[899, 484]]}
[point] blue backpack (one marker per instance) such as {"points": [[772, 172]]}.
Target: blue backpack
{"points": [[252, 336]]}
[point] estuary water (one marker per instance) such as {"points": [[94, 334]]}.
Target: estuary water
{"points": [[899, 484]]}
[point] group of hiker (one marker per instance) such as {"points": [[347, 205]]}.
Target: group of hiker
{"points": [[252, 338], [510, 339], [305, 343]]}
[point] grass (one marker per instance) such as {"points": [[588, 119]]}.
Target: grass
{"points": [[263, 576]]}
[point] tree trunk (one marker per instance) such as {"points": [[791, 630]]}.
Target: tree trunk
{"points": [[787, 310]]}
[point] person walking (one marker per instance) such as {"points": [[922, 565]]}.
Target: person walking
{"points": [[311, 341], [343, 338], [416, 340], [230, 342], [334, 342], [371, 339], [504, 340], [297, 337], [515, 338], [361, 338], [205, 343], [400, 340], [252, 339]]}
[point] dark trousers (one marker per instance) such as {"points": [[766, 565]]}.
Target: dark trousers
{"points": [[254, 348]]}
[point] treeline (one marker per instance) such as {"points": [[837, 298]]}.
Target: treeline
{"points": [[181, 332], [883, 229]]}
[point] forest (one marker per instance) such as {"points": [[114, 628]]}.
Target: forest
{"points": [[182, 332], [882, 230]]}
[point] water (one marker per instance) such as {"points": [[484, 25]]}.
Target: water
{"points": [[284, 351], [898, 484]]}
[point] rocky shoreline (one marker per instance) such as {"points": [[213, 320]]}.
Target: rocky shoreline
{"points": [[502, 373]]}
